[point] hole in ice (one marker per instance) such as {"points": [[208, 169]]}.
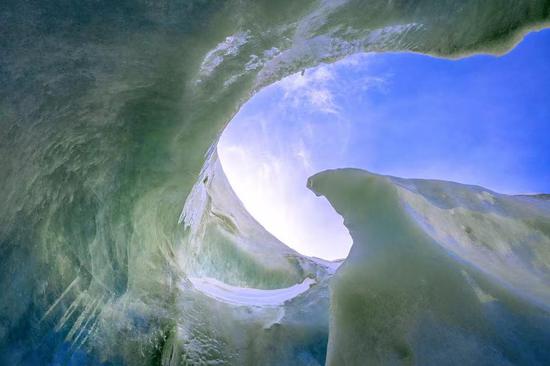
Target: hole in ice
{"points": [[481, 120]]}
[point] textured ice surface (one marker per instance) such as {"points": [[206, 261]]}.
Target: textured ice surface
{"points": [[107, 112], [248, 296], [439, 273]]}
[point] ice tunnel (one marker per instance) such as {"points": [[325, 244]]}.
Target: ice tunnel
{"points": [[122, 243]]}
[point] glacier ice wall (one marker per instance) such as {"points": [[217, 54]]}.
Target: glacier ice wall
{"points": [[108, 111], [245, 297], [439, 273]]}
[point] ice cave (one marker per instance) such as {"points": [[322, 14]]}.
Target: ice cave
{"points": [[127, 238]]}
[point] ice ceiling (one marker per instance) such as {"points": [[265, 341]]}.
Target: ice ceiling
{"points": [[121, 241]]}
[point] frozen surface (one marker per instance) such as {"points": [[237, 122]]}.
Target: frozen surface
{"points": [[439, 273], [248, 296], [107, 113]]}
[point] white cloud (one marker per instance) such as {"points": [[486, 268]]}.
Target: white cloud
{"points": [[310, 89]]}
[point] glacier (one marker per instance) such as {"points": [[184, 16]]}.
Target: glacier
{"points": [[114, 202], [439, 273]]}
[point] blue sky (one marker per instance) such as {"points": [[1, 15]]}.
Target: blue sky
{"points": [[482, 120]]}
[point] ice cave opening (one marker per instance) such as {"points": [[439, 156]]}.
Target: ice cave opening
{"points": [[399, 114]]}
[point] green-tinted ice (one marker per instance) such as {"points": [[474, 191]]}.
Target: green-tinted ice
{"points": [[109, 113], [439, 273]]}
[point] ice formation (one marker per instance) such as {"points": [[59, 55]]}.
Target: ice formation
{"points": [[109, 115], [439, 273]]}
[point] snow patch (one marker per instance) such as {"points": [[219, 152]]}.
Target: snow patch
{"points": [[245, 296]]}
